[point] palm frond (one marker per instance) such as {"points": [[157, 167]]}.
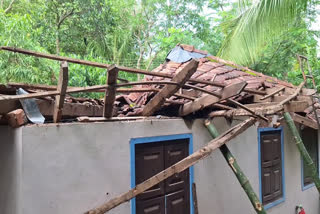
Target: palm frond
{"points": [[257, 24]]}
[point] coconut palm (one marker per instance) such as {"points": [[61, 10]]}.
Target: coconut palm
{"points": [[258, 23]]}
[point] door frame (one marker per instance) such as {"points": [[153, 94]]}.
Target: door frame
{"points": [[156, 139]]}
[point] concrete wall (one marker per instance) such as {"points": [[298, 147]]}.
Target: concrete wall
{"points": [[73, 167]]}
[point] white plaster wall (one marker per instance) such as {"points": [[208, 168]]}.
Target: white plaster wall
{"points": [[71, 168], [10, 171]]}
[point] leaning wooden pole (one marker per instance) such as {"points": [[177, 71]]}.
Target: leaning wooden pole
{"points": [[243, 180], [174, 169], [303, 151]]}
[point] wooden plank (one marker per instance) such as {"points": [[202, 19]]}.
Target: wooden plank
{"points": [[195, 199], [207, 100], [304, 91], [112, 119], [182, 165], [110, 91], [167, 91], [273, 93], [62, 88], [278, 99], [304, 120]]}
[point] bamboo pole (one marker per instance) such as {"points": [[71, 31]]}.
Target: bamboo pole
{"points": [[243, 180], [303, 151], [174, 169]]}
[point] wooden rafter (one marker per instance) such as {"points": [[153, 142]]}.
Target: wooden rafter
{"points": [[263, 109], [176, 168], [294, 95], [207, 100], [120, 68], [62, 88], [110, 96], [167, 91], [273, 93], [248, 110]]}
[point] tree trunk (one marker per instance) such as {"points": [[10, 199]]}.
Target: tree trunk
{"points": [[303, 151], [243, 180], [57, 42]]}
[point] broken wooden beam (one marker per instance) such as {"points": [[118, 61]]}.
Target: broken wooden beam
{"points": [[167, 91], [273, 93], [303, 151], [110, 95], [16, 118], [207, 100], [62, 88], [176, 168], [234, 166], [304, 121]]}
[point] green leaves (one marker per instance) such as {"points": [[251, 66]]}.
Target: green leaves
{"points": [[257, 24]]}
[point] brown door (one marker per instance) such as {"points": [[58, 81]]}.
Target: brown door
{"points": [[271, 167], [171, 196]]}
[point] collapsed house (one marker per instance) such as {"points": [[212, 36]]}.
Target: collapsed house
{"points": [[152, 144]]}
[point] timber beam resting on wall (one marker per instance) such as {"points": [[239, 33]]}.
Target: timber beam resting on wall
{"points": [[176, 168], [232, 162], [303, 151], [62, 88], [167, 91]]}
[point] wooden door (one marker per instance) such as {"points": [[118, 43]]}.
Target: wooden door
{"points": [[171, 196], [271, 166]]}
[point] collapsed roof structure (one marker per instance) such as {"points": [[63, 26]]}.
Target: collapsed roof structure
{"points": [[190, 83]]}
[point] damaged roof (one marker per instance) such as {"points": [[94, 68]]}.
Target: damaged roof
{"points": [[213, 76]]}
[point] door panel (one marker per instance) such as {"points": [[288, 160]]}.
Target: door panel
{"points": [[149, 161], [177, 203], [152, 206], [174, 152]]}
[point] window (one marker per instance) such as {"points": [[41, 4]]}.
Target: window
{"points": [[310, 140], [271, 166], [152, 155]]}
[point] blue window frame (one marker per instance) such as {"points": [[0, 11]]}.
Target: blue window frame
{"points": [[135, 141], [282, 199]]}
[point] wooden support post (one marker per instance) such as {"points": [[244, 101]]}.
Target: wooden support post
{"points": [[208, 100], [303, 151], [167, 91], [62, 88], [232, 162], [176, 168], [110, 96]]}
